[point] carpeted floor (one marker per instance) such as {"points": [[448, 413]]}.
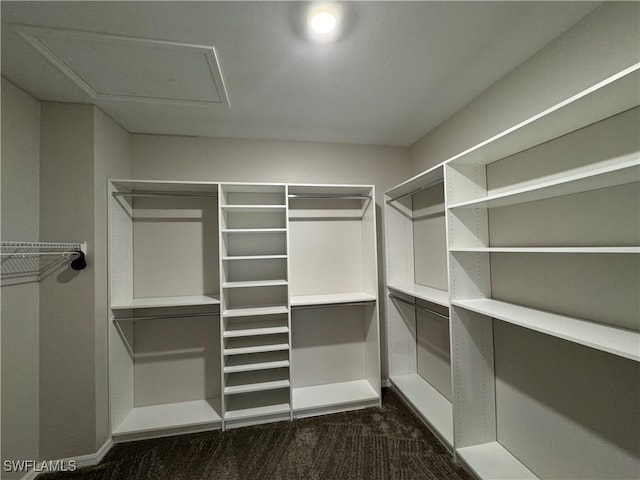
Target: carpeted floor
{"points": [[387, 443]]}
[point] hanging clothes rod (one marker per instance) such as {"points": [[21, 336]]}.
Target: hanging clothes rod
{"points": [[419, 307], [160, 317], [329, 197], [62, 249], [425, 187], [165, 194], [327, 305]]}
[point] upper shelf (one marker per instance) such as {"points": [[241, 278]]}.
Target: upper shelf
{"points": [[433, 295], [330, 299], [611, 173], [607, 338], [589, 250], [160, 302], [427, 179], [609, 97]]}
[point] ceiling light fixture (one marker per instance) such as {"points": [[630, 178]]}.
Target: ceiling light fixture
{"points": [[323, 22]]}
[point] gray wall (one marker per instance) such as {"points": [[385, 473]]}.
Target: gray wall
{"points": [[20, 315], [185, 158], [601, 44], [67, 365]]}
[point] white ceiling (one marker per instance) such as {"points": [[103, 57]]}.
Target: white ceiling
{"points": [[399, 69]]}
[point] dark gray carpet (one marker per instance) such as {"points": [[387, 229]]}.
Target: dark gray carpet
{"points": [[387, 443]]}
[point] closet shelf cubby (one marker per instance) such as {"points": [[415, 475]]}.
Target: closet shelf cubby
{"points": [[255, 283], [256, 349], [198, 414], [428, 294], [159, 302], [586, 250], [609, 173], [250, 367], [255, 311], [492, 461], [331, 299], [308, 400], [256, 387], [608, 338]]}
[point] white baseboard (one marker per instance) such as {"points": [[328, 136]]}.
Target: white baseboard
{"points": [[385, 383], [81, 461]]}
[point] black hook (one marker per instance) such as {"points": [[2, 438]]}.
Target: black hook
{"points": [[80, 262]]}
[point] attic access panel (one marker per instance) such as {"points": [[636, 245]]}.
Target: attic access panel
{"points": [[111, 67]]}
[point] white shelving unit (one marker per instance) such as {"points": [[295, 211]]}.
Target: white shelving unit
{"points": [[255, 311], [538, 217], [542, 228], [157, 364], [418, 303], [334, 298]]}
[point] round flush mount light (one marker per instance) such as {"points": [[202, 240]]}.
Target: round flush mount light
{"points": [[323, 22]]}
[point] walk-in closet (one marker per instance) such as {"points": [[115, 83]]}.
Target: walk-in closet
{"points": [[325, 240]]}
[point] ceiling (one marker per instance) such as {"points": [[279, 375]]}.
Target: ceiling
{"points": [[397, 70]]}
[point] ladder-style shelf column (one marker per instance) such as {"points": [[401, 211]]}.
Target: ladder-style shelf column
{"points": [[255, 328]]}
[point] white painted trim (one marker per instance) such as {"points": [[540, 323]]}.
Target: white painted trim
{"points": [[385, 383], [30, 35]]}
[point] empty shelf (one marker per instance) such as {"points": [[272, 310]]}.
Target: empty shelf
{"points": [[256, 387], [250, 367], [170, 415], [263, 411], [333, 394], [548, 249], [492, 460], [605, 174], [430, 404], [615, 340], [254, 230], [255, 311], [255, 331], [155, 302], [332, 298], [256, 349], [255, 283], [433, 295], [253, 208], [253, 257]]}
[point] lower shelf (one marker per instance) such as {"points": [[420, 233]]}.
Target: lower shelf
{"points": [[320, 399], [170, 416], [435, 409], [265, 411], [492, 460]]}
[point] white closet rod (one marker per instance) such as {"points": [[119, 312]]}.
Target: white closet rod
{"points": [[329, 197], [160, 317], [43, 248], [336, 304], [419, 307], [165, 194], [413, 192]]}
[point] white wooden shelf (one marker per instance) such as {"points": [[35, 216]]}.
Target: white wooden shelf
{"points": [[253, 208], [263, 411], [256, 283], [256, 387], [255, 331], [602, 100], [255, 311], [433, 295], [256, 349], [254, 230], [251, 367], [492, 461], [159, 302], [594, 250], [311, 214], [428, 403], [614, 340], [602, 175], [333, 394], [169, 416], [415, 184], [254, 257], [331, 298]]}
